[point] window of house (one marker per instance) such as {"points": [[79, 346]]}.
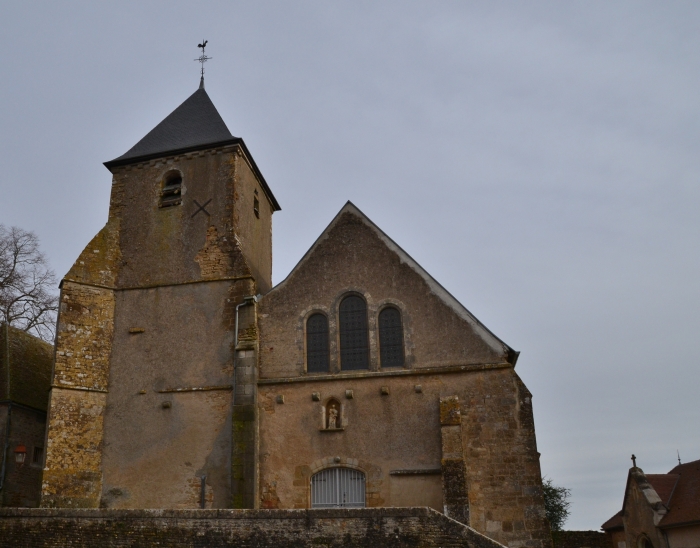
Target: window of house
{"points": [[317, 358], [38, 455], [354, 347], [338, 488], [391, 338], [170, 195]]}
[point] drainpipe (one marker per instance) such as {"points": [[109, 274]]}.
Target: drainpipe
{"points": [[246, 302]]}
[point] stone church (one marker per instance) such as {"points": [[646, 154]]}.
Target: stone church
{"points": [[184, 379]]}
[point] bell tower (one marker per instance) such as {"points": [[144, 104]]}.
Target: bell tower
{"points": [[153, 402]]}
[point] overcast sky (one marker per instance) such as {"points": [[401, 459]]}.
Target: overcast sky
{"points": [[539, 159]]}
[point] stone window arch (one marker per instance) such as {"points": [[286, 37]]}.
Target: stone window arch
{"points": [[317, 344], [354, 333], [391, 345]]}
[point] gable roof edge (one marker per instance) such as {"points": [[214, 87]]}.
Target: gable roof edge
{"points": [[445, 296]]}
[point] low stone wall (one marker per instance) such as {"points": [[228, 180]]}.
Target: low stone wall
{"points": [[349, 528], [581, 539]]}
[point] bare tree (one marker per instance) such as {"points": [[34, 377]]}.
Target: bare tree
{"points": [[27, 301]]}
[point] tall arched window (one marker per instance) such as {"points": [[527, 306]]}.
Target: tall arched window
{"points": [[354, 347], [317, 344], [390, 338]]}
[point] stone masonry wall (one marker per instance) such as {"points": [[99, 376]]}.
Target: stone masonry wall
{"points": [[72, 476], [387, 527]]}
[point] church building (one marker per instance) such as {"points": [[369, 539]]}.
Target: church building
{"points": [[184, 379]]}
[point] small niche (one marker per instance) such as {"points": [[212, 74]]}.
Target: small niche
{"points": [[332, 415]]}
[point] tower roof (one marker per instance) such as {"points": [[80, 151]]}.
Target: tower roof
{"points": [[194, 124]]}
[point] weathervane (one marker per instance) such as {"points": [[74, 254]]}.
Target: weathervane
{"points": [[202, 59]]}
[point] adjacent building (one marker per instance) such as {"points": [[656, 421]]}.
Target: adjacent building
{"points": [[25, 377], [659, 510]]}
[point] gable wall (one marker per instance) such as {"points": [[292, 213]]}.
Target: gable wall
{"points": [[639, 516], [353, 258]]}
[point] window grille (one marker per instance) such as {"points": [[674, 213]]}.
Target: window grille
{"points": [[317, 360], [338, 488], [391, 338], [354, 350]]}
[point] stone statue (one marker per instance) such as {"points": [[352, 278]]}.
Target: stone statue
{"points": [[332, 418]]}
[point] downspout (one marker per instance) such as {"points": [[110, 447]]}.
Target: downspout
{"points": [[246, 302]]}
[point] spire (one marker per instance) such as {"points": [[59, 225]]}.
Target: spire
{"points": [[194, 124]]}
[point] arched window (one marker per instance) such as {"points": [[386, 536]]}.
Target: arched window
{"points": [[317, 344], [170, 195], [390, 338], [338, 487], [354, 349]]}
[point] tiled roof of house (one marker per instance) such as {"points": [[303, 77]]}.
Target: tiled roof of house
{"points": [[663, 484], [684, 506], [614, 522]]}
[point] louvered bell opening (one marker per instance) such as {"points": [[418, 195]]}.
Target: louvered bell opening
{"points": [[170, 195], [317, 355], [354, 347], [391, 351]]}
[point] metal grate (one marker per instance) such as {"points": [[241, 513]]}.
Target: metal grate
{"points": [[390, 338], [353, 333], [338, 487], [317, 344]]}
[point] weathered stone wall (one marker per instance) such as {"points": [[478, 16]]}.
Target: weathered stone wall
{"points": [[352, 257], [581, 539], [168, 422], [643, 510], [22, 485], [360, 528], [73, 475], [391, 422], [400, 430], [182, 243]]}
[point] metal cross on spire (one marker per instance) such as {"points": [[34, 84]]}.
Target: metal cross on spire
{"points": [[202, 59]]}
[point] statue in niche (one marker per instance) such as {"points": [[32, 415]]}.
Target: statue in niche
{"points": [[332, 415]]}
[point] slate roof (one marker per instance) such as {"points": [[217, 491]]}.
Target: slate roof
{"points": [[194, 123]]}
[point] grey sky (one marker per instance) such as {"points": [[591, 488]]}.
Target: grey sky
{"points": [[539, 159]]}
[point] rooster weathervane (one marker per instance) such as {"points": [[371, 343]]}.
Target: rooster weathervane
{"points": [[202, 59]]}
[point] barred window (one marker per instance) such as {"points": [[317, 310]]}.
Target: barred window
{"points": [[390, 338], [354, 348], [317, 344]]}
